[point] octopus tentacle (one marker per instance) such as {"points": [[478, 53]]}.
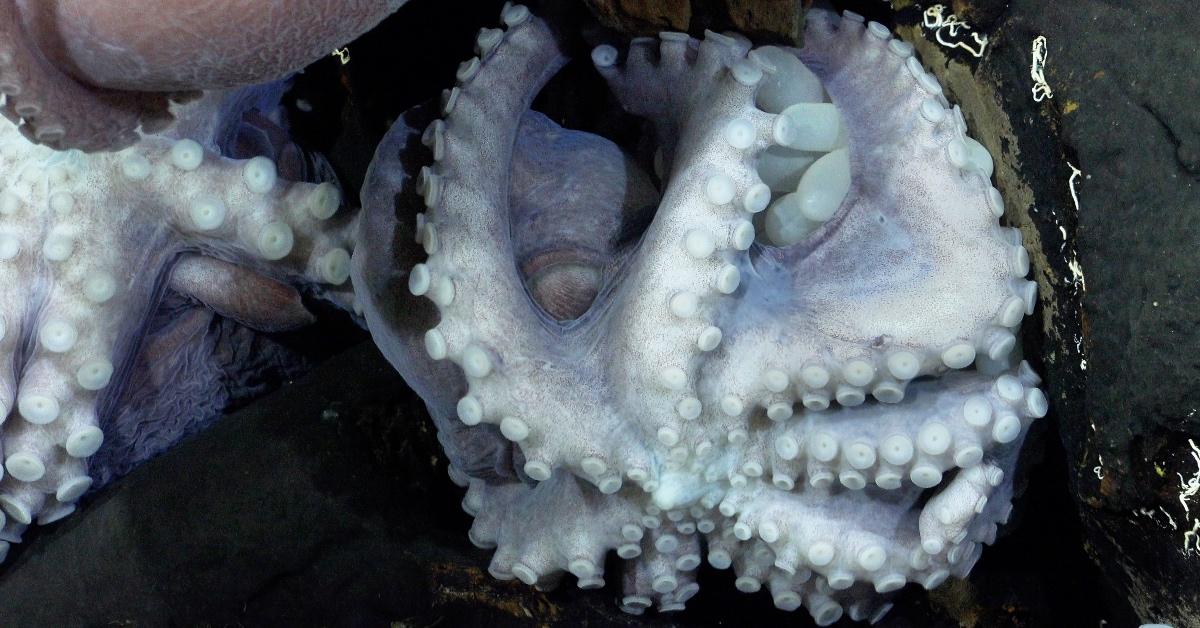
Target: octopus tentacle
{"points": [[917, 442], [957, 261], [90, 75], [381, 290], [461, 276], [826, 235], [89, 242], [588, 528], [966, 273], [664, 576], [54, 109], [687, 261], [465, 280]]}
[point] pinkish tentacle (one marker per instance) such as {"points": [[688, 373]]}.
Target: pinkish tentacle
{"points": [[176, 45], [55, 109], [88, 74]]}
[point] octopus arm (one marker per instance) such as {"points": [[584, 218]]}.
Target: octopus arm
{"points": [[90, 74], [87, 246], [55, 109]]}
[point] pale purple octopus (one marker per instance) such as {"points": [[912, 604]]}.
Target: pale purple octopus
{"points": [[133, 277], [112, 266], [803, 368]]}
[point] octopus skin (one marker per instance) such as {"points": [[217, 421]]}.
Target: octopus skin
{"points": [[804, 368], [114, 268], [89, 74]]}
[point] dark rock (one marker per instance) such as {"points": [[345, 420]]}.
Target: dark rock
{"points": [[323, 504], [981, 14], [1123, 80], [762, 20], [1129, 78], [645, 17]]}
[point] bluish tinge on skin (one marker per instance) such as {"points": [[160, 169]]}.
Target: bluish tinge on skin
{"points": [[804, 368], [130, 278]]}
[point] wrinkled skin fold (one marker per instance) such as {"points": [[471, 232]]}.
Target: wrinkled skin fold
{"points": [[804, 369]]}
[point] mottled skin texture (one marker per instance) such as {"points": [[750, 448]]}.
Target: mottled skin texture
{"points": [[831, 419], [113, 267], [85, 73]]}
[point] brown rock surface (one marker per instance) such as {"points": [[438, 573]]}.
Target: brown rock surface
{"points": [[763, 20]]}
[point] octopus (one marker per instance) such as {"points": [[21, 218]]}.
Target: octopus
{"points": [[114, 267], [778, 334], [153, 211], [92, 74]]}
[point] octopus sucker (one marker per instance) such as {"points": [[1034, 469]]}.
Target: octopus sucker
{"points": [[803, 369], [91, 244]]}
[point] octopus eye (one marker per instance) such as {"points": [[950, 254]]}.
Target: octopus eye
{"points": [[564, 289], [580, 191]]}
